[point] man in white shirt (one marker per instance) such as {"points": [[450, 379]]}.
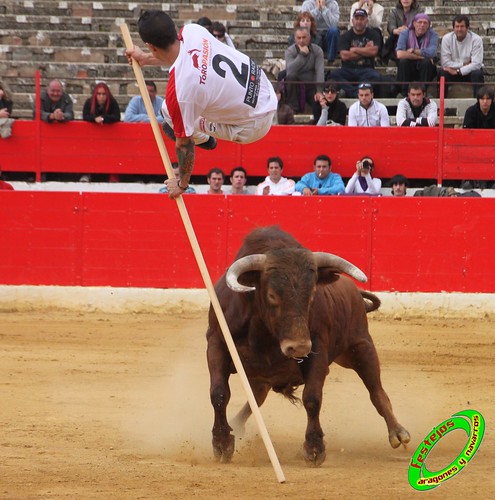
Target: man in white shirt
{"points": [[274, 184], [416, 110], [367, 111], [461, 56], [214, 91]]}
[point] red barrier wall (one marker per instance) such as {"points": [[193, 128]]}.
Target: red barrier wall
{"points": [[129, 148], [138, 240]]}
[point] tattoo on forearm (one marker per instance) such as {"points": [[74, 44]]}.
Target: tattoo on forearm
{"points": [[185, 155]]}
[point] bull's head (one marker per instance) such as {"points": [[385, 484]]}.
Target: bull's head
{"points": [[286, 282]]}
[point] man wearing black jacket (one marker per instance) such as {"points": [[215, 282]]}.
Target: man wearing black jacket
{"points": [[481, 114]]}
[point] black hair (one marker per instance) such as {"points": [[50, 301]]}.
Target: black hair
{"points": [[417, 86], [150, 83], [219, 28], [486, 90], [215, 170], [460, 18], [323, 158], [275, 159], [238, 169], [156, 27], [205, 22]]}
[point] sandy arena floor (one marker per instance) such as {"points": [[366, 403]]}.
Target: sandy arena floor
{"points": [[117, 406]]}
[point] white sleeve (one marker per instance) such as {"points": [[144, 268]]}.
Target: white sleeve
{"points": [[351, 184]]}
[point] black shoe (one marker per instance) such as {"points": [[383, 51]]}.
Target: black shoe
{"points": [[211, 143], [169, 131]]}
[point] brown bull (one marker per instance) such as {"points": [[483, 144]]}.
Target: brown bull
{"points": [[291, 314]]}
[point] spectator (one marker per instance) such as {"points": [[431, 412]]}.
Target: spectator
{"points": [[101, 107], [136, 111], [481, 114], [322, 181], [362, 182], [416, 49], [358, 48], [6, 105], [306, 20], [56, 105], [375, 16], [206, 22], [399, 185], [461, 56], [367, 111], [175, 169], [219, 31], [5, 186], [399, 20], [285, 114], [305, 70], [274, 184], [326, 14], [238, 179], [416, 110], [215, 178], [333, 110]]}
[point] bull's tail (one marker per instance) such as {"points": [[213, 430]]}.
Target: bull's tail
{"points": [[288, 392], [371, 301]]}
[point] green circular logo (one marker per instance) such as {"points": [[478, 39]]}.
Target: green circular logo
{"points": [[473, 423]]}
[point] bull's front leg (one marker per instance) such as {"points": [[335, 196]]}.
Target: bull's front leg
{"points": [[314, 446], [218, 365]]}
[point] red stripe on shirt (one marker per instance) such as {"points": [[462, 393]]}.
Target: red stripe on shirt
{"points": [[173, 106]]}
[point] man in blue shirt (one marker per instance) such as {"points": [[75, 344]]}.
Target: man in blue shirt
{"points": [[322, 181], [136, 111]]}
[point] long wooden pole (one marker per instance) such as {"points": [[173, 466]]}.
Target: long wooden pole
{"points": [[202, 264]]}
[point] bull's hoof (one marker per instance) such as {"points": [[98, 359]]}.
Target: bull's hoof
{"points": [[223, 450], [314, 456], [398, 436]]}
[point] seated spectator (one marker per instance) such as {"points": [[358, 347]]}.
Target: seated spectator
{"points": [[399, 185], [274, 184], [326, 14], [399, 20], [206, 22], [333, 110], [305, 70], [322, 181], [481, 114], [136, 110], [358, 49], [375, 16], [362, 181], [416, 50], [175, 169], [367, 111], [215, 178], [56, 105], [219, 31], [416, 110], [5, 186], [285, 114], [238, 180], [461, 56], [306, 20], [101, 107], [6, 105]]}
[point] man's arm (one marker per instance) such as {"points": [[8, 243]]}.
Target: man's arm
{"points": [[401, 116], [132, 112], [68, 109], [476, 56], [331, 13], [446, 60], [384, 118], [430, 51], [143, 58], [335, 186]]}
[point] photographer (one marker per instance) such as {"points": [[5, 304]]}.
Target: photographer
{"points": [[333, 110], [362, 181]]}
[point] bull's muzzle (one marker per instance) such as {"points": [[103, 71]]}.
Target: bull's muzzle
{"points": [[299, 348]]}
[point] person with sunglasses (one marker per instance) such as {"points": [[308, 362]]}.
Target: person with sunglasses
{"points": [[333, 110], [367, 111]]}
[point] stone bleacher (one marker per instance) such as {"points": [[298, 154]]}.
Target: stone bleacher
{"points": [[79, 42]]}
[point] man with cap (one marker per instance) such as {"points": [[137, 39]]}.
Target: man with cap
{"points": [[399, 185], [358, 49], [416, 48]]}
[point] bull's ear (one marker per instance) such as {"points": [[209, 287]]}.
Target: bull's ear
{"points": [[327, 275]]}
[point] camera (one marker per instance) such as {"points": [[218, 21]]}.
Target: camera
{"points": [[366, 164]]}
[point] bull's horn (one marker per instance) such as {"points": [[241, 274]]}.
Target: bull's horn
{"points": [[255, 262], [324, 259]]}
